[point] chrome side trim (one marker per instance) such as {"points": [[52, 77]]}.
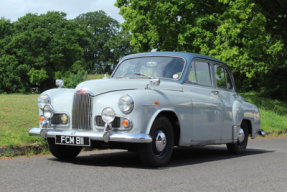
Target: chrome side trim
{"points": [[97, 136], [190, 106]]}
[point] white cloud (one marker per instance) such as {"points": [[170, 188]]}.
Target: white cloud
{"points": [[13, 9]]}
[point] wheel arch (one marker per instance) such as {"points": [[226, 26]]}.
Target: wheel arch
{"points": [[249, 124], [174, 120]]}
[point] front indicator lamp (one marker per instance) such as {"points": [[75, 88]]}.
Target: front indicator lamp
{"points": [[48, 111], [126, 123], [41, 118], [108, 115]]}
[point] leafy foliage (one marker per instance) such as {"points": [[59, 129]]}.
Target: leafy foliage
{"points": [[108, 43], [233, 31], [73, 80], [37, 49]]}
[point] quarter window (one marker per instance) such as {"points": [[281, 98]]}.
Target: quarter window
{"points": [[200, 73], [222, 77]]}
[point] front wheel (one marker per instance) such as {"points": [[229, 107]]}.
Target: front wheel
{"points": [[158, 152], [63, 151], [240, 146]]}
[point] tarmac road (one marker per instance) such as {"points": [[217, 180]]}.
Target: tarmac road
{"points": [[262, 168]]}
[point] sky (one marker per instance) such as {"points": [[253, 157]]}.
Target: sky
{"points": [[13, 9]]}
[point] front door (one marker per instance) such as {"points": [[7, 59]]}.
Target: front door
{"points": [[207, 107]]}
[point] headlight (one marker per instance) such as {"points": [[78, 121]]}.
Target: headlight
{"points": [[126, 104], [43, 100], [48, 111], [108, 115]]}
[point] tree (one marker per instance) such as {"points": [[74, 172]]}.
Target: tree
{"points": [[107, 42], [275, 12], [231, 30], [42, 48]]}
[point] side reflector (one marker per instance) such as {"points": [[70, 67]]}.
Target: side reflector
{"points": [[156, 102]]}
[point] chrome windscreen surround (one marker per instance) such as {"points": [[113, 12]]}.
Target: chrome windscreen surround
{"points": [[82, 111]]}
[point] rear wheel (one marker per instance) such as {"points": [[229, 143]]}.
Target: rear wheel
{"points": [[159, 151], [240, 146], [63, 151]]}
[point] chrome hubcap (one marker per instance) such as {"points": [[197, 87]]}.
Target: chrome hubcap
{"points": [[241, 135], [160, 141]]}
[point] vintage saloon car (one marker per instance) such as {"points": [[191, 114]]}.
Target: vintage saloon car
{"points": [[151, 103]]}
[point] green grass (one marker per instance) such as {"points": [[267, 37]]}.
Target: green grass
{"points": [[273, 112], [18, 114], [96, 76]]}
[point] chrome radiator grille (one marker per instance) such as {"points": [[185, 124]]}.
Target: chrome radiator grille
{"points": [[82, 111]]}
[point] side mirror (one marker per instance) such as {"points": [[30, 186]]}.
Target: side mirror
{"points": [[59, 83], [154, 82]]}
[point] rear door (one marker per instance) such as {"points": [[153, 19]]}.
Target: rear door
{"points": [[227, 95]]}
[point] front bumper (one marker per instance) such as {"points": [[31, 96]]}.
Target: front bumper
{"points": [[96, 136]]}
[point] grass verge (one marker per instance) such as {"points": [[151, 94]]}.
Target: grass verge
{"points": [[273, 113], [18, 114]]}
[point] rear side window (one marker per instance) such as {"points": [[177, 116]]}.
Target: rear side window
{"points": [[200, 73], [222, 78]]}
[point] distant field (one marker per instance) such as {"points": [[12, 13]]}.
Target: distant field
{"points": [[19, 113]]}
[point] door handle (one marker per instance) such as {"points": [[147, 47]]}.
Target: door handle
{"points": [[215, 92]]}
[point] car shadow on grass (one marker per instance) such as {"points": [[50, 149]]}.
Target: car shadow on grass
{"points": [[180, 157]]}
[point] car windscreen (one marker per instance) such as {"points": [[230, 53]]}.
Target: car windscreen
{"points": [[147, 67]]}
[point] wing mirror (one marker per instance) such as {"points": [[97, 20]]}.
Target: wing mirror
{"points": [[153, 82]]}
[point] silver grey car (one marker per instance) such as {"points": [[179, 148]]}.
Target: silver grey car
{"points": [[151, 103]]}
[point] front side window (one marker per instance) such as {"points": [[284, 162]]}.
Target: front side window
{"points": [[146, 67], [200, 73], [222, 77]]}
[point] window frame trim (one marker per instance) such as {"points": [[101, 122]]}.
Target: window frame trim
{"points": [[227, 71], [209, 63]]}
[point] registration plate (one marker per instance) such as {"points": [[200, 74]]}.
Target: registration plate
{"points": [[72, 140]]}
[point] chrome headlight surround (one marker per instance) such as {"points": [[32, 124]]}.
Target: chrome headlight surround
{"points": [[108, 115], [126, 104], [43, 100], [48, 111]]}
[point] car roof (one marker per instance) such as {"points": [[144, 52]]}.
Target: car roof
{"points": [[187, 56]]}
